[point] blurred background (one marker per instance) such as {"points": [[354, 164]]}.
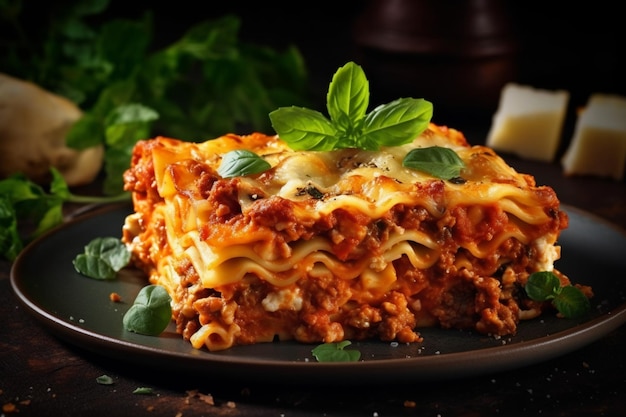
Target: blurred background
{"points": [[456, 53]]}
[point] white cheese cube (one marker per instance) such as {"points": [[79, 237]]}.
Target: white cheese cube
{"points": [[598, 145], [528, 122]]}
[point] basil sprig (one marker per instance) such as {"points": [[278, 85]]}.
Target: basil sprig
{"points": [[568, 300], [350, 126]]}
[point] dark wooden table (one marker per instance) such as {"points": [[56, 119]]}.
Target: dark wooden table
{"points": [[42, 375]]}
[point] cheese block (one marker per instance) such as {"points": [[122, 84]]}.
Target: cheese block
{"points": [[528, 121], [598, 145]]}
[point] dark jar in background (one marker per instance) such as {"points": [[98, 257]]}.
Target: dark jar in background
{"points": [[457, 54]]}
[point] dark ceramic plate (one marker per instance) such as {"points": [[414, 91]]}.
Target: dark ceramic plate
{"points": [[78, 310]]}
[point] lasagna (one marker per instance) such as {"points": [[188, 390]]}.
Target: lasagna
{"points": [[326, 246]]}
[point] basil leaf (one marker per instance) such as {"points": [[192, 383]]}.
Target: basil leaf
{"points": [[58, 186], [242, 162], [437, 161], [111, 250], [335, 352], [150, 313], [10, 240], [542, 286], [396, 123], [571, 302], [51, 215], [348, 94], [93, 266], [304, 129], [103, 258]]}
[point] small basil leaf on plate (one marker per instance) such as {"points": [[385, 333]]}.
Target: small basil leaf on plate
{"points": [[93, 266], [336, 352], [103, 257], [542, 286], [571, 302], [150, 313]]}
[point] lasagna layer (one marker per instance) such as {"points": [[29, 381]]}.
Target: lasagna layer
{"points": [[346, 244]]}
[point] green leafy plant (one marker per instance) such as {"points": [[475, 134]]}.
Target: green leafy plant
{"points": [[200, 86], [150, 313], [103, 258], [336, 352], [568, 300], [27, 209]]}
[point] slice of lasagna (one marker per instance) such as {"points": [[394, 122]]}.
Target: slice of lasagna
{"points": [[334, 245]]}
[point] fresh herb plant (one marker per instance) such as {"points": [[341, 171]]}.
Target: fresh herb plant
{"points": [[103, 258], [150, 313], [203, 84], [568, 300], [25, 205], [336, 352]]}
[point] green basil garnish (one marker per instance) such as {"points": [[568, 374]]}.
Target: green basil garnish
{"points": [[569, 300], [336, 352], [437, 161], [103, 258], [350, 126], [150, 313], [242, 162]]}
